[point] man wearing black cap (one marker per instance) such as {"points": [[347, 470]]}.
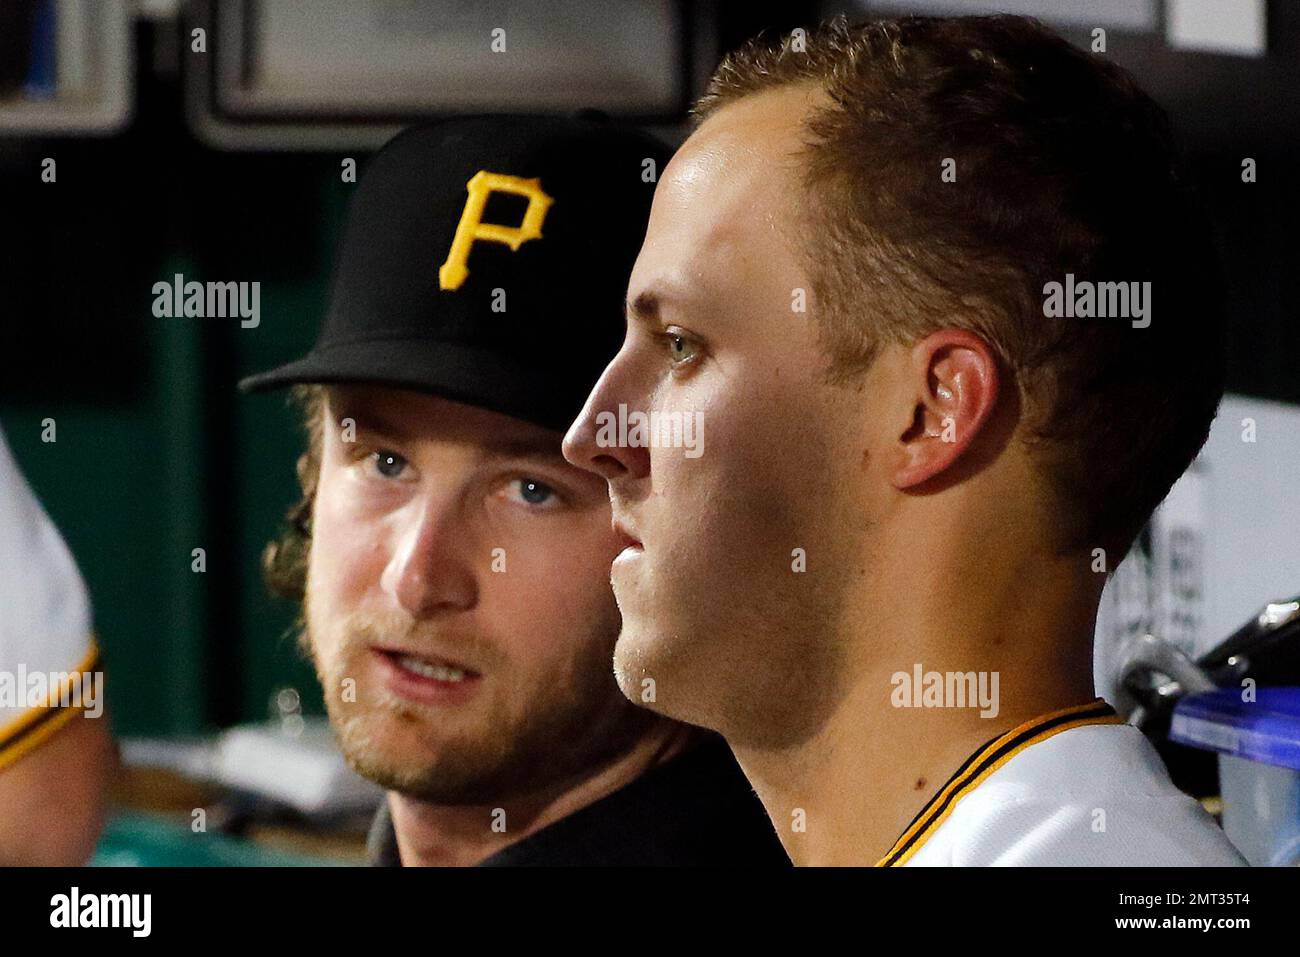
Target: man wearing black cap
{"points": [[453, 567]]}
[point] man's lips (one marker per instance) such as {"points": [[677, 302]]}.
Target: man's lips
{"points": [[625, 537], [424, 658], [632, 547], [426, 678]]}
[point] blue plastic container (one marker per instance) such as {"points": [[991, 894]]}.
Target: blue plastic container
{"points": [[1258, 742]]}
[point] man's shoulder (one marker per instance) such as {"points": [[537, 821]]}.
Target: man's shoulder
{"points": [[1092, 796]]}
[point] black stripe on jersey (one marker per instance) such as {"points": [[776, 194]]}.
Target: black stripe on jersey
{"points": [[978, 762], [37, 719]]}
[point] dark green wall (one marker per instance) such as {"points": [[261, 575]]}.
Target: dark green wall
{"points": [[156, 453]]}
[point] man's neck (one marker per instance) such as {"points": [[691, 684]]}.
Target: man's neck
{"points": [[434, 835], [843, 795]]}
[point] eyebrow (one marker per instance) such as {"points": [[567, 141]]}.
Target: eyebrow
{"points": [[643, 308], [538, 448], [368, 420], [666, 293]]}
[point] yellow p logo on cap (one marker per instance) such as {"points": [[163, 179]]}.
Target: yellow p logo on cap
{"points": [[471, 227]]}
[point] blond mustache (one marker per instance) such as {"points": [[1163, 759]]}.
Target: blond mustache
{"points": [[362, 630]]}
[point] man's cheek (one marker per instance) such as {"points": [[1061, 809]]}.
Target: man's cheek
{"points": [[345, 561]]}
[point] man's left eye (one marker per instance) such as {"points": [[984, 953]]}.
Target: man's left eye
{"points": [[680, 349], [388, 464], [532, 492]]}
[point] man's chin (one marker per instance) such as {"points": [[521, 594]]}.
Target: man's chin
{"points": [[399, 755], [641, 668], [393, 775]]}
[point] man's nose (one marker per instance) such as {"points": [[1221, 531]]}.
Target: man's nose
{"points": [[430, 573], [597, 439]]}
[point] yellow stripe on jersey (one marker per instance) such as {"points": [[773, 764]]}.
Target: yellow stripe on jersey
{"points": [[28, 730], [985, 761]]}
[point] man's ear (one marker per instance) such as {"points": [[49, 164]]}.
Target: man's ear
{"points": [[954, 375]]}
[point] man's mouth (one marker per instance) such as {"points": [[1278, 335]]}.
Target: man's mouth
{"points": [[428, 678], [429, 669], [632, 548], [626, 538]]}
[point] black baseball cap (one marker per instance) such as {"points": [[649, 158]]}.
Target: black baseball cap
{"points": [[485, 259]]}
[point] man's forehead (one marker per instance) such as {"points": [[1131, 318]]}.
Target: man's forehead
{"points": [[728, 191], [727, 170], [773, 118], [410, 415]]}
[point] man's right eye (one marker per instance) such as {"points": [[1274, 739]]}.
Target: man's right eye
{"points": [[388, 464]]}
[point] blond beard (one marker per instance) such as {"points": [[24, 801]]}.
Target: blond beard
{"points": [[564, 726]]}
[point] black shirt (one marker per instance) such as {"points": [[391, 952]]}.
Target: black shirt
{"points": [[694, 809]]}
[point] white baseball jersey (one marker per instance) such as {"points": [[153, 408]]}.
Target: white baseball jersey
{"points": [[45, 635], [1073, 788]]}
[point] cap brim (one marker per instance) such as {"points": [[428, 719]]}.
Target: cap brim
{"points": [[453, 371]]}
